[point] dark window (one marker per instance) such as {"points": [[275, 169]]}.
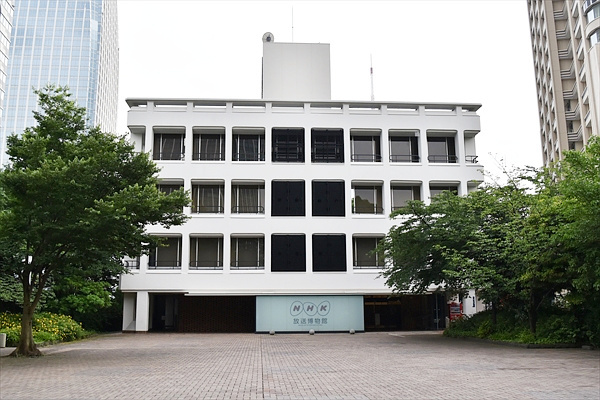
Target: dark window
{"points": [[401, 195], [329, 253], [288, 253], [247, 253], [166, 256], [287, 198], [404, 149], [248, 147], [437, 189], [363, 252], [327, 145], [367, 200], [288, 145], [206, 253], [209, 147], [248, 199], [168, 189], [207, 198], [168, 146], [441, 150], [366, 148], [328, 199]]}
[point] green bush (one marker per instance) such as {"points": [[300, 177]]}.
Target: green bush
{"points": [[47, 327]]}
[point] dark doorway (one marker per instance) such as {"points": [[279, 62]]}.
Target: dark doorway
{"points": [[219, 314], [164, 310], [404, 313]]}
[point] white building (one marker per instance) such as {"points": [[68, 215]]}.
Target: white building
{"points": [[290, 194], [565, 38]]}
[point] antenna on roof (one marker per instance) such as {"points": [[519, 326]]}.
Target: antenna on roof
{"points": [[372, 91]]}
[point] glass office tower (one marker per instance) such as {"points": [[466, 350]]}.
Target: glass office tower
{"points": [[6, 14], [70, 43]]}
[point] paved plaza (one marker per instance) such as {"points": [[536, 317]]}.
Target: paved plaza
{"points": [[396, 365]]}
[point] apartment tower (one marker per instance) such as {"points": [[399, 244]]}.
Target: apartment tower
{"points": [[565, 36], [70, 43]]}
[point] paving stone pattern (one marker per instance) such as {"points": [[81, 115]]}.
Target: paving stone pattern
{"points": [[397, 365]]}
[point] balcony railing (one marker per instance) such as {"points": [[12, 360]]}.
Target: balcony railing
{"points": [[168, 156], [132, 264], [247, 265], [366, 157], [245, 156], [404, 158], [210, 156], [201, 209], [368, 265], [248, 210], [207, 265], [328, 152], [471, 159], [442, 158], [292, 153], [367, 209], [164, 264]]}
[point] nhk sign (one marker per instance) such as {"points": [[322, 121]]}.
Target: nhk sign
{"points": [[303, 313]]}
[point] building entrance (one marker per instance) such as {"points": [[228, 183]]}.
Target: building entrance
{"points": [[404, 313]]}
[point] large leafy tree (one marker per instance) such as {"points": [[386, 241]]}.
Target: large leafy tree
{"points": [[75, 201], [500, 240]]}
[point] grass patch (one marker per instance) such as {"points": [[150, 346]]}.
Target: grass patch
{"points": [[47, 327]]}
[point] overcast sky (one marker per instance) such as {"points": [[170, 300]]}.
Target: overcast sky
{"points": [[475, 51]]}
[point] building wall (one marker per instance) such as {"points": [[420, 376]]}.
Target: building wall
{"points": [[185, 116], [69, 43], [565, 38]]}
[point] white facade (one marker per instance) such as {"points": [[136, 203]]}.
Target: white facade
{"points": [[323, 177], [565, 37]]}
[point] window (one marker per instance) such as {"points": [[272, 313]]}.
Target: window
{"points": [[288, 145], [248, 198], [434, 190], [208, 198], [363, 253], [169, 145], [593, 13], [401, 195], [329, 253], [404, 146], [288, 253], [169, 188], [287, 198], [327, 145], [367, 199], [247, 253], [131, 262], [248, 144], [365, 146], [209, 144], [167, 255], [206, 253], [328, 199], [441, 150]]}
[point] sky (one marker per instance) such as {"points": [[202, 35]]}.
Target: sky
{"points": [[474, 51]]}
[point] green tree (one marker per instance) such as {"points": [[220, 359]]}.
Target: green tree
{"points": [[76, 201]]}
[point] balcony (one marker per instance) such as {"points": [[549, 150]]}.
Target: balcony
{"points": [[471, 159]]}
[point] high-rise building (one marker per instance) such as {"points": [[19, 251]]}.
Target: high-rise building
{"points": [[290, 195], [6, 15], [565, 36], [70, 43]]}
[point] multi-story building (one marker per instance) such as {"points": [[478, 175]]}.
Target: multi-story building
{"points": [[565, 36], [290, 195], [6, 15], [68, 43]]}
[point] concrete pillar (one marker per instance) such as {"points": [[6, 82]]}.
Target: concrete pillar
{"points": [[142, 312], [129, 311]]}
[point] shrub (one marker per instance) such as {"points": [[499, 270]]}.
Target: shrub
{"points": [[47, 327]]}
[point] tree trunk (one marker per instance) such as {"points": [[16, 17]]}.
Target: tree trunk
{"points": [[26, 346], [494, 314], [532, 312]]}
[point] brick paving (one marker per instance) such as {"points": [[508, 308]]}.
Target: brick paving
{"points": [[397, 365]]}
